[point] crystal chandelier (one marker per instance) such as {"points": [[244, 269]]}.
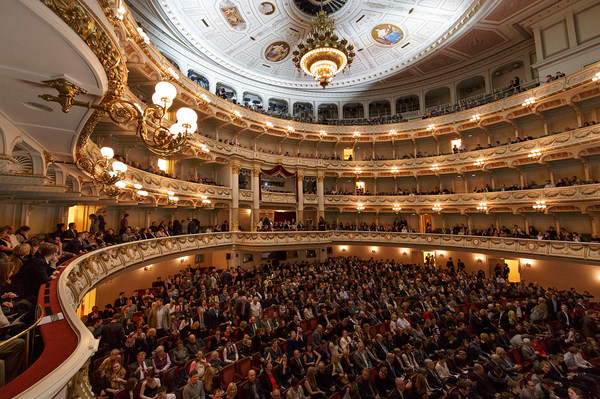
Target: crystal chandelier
{"points": [[324, 55]]}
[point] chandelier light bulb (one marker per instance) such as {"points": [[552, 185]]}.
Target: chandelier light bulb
{"points": [[119, 167], [176, 129], [137, 186], [186, 115], [107, 152], [165, 90], [121, 184], [142, 193]]}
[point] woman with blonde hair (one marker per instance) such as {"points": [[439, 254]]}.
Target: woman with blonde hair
{"points": [[231, 392], [18, 257], [208, 380]]}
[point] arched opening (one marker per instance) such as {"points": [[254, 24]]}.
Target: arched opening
{"points": [[30, 160], [353, 111], [407, 104], [327, 111], [380, 108], [471, 88], [198, 79], [226, 92], [503, 76], [252, 101], [278, 106], [302, 110], [437, 97]]}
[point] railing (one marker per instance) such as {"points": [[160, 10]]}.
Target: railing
{"points": [[90, 270], [28, 335]]}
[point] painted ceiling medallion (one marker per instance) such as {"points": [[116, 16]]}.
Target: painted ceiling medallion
{"points": [[266, 8], [277, 51], [312, 7], [387, 34]]}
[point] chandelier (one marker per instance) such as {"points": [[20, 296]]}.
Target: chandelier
{"points": [[324, 55], [158, 136]]}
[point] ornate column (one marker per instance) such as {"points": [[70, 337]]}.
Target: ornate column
{"points": [[255, 195], [320, 195], [300, 188], [235, 197]]}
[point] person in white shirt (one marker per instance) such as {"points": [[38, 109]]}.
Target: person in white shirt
{"points": [[345, 341], [255, 308]]}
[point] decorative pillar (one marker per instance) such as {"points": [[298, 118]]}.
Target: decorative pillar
{"points": [[468, 222], [300, 190], [235, 197], [320, 195], [255, 195], [417, 183], [375, 185]]}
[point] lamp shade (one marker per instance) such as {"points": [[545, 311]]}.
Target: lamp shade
{"points": [[186, 116], [107, 152], [162, 101], [165, 89], [176, 129], [119, 167]]}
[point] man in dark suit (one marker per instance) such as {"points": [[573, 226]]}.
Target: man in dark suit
{"points": [[485, 388], [251, 389], [393, 370], [381, 350], [242, 309], [120, 301], [400, 391], [75, 246], [297, 366], [213, 317], [553, 306], [366, 389], [324, 380], [140, 367], [565, 320], [361, 358], [112, 333], [35, 272], [323, 319]]}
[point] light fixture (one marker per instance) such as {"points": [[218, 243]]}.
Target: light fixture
{"points": [[540, 206], [356, 134], [397, 208], [205, 99], [323, 55], [534, 154], [291, 129], [482, 207], [173, 73], [358, 171], [437, 207], [435, 168], [269, 124], [120, 12], [479, 259], [172, 199], [596, 77], [238, 114], [139, 195], [431, 127], [393, 133], [478, 163], [161, 140], [204, 148], [360, 207], [528, 102], [475, 118], [107, 173], [395, 170], [143, 37], [205, 201], [322, 133]]}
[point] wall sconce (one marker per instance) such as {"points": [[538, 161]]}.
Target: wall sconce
{"points": [[528, 265], [373, 250], [147, 268], [393, 133], [540, 206], [534, 154], [431, 127], [529, 102], [162, 140], [596, 77], [358, 171], [478, 163], [482, 207], [360, 207], [397, 209], [172, 200], [404, 253], [205, 201], [479, 259], [356, 134], [269, 124], [435, 168], [475, 118], [291, 129], [344, 249], [437, 207], [395, 170], [322, 133]]}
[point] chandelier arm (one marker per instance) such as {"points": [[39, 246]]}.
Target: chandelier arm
{"points": [[123, 111]]}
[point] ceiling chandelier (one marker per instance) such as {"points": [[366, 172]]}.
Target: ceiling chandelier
{"points": [[324, 55]]}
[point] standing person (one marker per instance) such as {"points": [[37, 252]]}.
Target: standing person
{"points": [[124, 223], [102, 220], [94, 224]]}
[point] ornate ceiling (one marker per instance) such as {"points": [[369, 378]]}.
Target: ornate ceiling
{"points": [[396, 39]]}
